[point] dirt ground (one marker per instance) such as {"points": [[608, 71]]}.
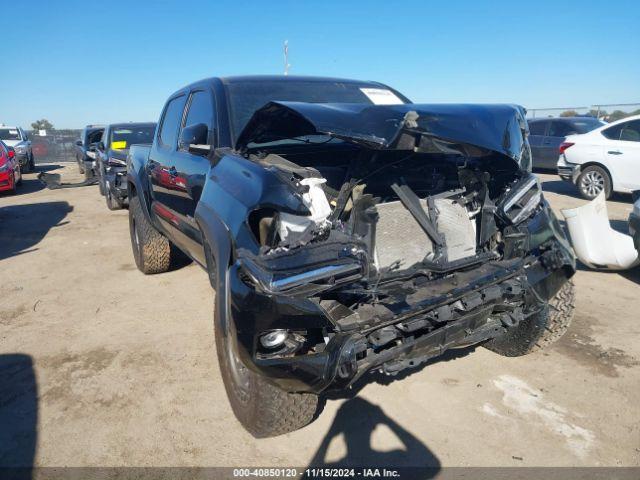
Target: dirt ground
{"points": [[102, 366]]}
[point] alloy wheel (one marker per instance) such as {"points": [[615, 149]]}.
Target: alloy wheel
{"points": [[592, 183]]}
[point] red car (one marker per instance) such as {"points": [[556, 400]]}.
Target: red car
{"points": [[10, 174]]}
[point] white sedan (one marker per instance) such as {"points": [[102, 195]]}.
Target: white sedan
{"points": [[605, 159]]}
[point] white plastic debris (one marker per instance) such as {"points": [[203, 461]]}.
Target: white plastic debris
{"points": [[597, 244], [290, 226]]}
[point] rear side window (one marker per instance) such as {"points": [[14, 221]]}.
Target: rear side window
{"points": [[561, 129], [537, 128], [171, 121], [627, 131]]}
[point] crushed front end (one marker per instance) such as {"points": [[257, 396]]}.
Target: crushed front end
{"points": [[398, 251]]}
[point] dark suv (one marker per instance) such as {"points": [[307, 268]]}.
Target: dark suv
{"points": [[345, 229], [85, 148], [547, 134], [111, 155]]}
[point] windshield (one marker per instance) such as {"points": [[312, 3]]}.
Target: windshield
{"points": [[585, 125], [245, 97], [123, 137], [9, 134]]}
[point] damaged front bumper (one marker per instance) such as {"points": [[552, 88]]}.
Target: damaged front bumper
{"points": [[463, 308], [116, 181]]}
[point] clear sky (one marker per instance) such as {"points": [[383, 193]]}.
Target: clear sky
{"points": [[79, 62]]}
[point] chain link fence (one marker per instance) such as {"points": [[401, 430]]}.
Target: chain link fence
{"points": [[607, 112], [54, 145]]}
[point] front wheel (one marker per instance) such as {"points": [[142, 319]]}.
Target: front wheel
{"points": [[151, 249], [263, 409], [112, 202], [541, 329], [594, 180]]}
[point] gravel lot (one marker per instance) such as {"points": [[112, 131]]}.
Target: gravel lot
{"points": [[102, 366]]}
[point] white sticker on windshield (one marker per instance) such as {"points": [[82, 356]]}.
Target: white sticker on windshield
{"points": [[13, 132], [380, 96]]}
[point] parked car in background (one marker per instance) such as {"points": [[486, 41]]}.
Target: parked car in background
{"points": [[17, 138], [546, 135], [305, 199], [85, 148], [111, 158], [605, 159], [10, 171]]}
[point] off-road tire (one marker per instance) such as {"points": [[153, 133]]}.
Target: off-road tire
{"points": [[88, 173], [112, 202], [263, 409], [540, 330], [597, 173], [151, 249]]}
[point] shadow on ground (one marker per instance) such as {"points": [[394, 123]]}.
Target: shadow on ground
{"points": [[565, 188], [18, 415], [356, 421], [23, 226]]}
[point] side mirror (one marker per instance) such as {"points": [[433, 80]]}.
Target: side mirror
{"points": [[194, 138], [11, 153], [79, 143]]}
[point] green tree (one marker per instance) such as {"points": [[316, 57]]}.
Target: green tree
{"points": [[617, 115], [43, 124], [598, 114], [569, 113]]}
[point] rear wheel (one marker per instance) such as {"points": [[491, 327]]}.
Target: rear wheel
{"points": [[592, 181], [151, 249], [262, 408], [539, 330]]}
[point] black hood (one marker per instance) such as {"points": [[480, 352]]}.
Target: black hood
{"points": [[455, 128]]}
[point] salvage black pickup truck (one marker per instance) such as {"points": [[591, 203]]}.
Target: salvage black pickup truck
{"points": [[346, 229]]}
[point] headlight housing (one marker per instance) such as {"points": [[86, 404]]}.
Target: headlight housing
{"points": [[20, 149], [521, 200]]}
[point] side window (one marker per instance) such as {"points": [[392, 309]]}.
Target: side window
{"points": [[168, 136], [631, 131], [561, 129], [613, 133], [537, 128]]}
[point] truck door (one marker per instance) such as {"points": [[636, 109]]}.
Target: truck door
{"points": [[160, 166], [191, 165]]}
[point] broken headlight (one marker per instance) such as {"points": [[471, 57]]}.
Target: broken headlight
{"points": [[521, 201]]}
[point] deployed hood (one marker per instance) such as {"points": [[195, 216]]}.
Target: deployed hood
{"points": [[450, 128]]}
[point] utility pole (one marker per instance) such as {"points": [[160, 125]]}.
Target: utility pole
{"points": [[286, 57]]}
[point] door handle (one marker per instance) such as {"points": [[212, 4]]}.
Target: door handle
{"points": [[614, 152]]}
